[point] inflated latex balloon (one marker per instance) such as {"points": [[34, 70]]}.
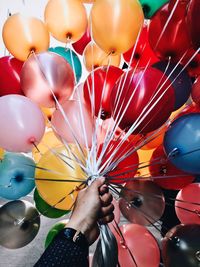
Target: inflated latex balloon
{"points": [[94, 57], [16, 176], [71, 58], [124, 165], [181, 143], [136, 238], [180, 80], [73, 122], [138, 101], [181, 246], [192, 20], [48, 141], [196, 91], [1, 153], [151, 6], [115, 25], [174, 41], [180, 6], [144, 159], [46, 74], [10, 69], [54, 231], [165, 174], [138, 204], [99, 85], [192, 62], [59, 176], [45, 209], [66, 19], [80, 45], [187, 204], [22, 123], [143, 53], [156, 138], [22, 35]]}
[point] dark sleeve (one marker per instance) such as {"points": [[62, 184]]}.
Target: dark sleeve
{"points": [[63, 252]]}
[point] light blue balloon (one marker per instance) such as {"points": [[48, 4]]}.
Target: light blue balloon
{"points": [[71, 58], [16, 171], [182, 143]]}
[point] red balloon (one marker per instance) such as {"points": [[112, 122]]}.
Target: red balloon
{"points": [[127, 167], [141, 244], [160, 166], [193, 66], [187, 211], [192, 108], [196, 91], [174, 41], [143, 52], [80, 45], [193, 22], [180, 10], [10, 69], [100, 83], [140, 97]]}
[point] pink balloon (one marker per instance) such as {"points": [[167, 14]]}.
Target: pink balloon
{"points": [[22, 123], [45, 73], [186, 210], [141, 244], [75, 124]]}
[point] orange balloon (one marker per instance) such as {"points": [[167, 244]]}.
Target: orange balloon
{"points": [[66, 19], [157, 139], [94, 57], [144, 159], [1, 153], [22, 34], [115, 24], [88, 1], [49, 140], [48, 112]]}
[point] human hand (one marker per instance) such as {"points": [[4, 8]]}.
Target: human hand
{"points": [[92, 204]]}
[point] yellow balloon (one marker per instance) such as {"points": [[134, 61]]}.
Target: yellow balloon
{"points": [[54, 192], [66, 19], [115, 24], [1, 153], [144, 158], [22, 34], [94, 57], [49, 140]]}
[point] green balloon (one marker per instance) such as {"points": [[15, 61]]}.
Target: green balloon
{"points": [[54, 231], [71, 57], [45, 209], [151, 6]]}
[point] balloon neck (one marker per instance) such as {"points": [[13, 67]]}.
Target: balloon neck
{"points": [[136, 202], [146, 9], [174, 153], [123, 244], [198, 255], [32, 140]]}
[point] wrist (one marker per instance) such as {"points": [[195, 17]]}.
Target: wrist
{"points": [[79, 226]]}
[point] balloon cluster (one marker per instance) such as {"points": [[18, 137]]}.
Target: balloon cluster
{"points": [[139, 127]]}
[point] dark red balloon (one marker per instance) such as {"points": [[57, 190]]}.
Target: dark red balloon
{"points": [[127, 167], [196, 91], [10, 69], [147, 98], [160, 166], [193, 22], [80, 45], [100, 82], [143, 52], [192, 62], [174, 41], [180, 9]]}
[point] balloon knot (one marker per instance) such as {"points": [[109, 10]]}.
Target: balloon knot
{"points": [[32, 140]]}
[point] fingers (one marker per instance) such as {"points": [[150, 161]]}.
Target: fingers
{"points": [[105, 211], [97, 184], [106, 199], [103, 189], [107, 219]]}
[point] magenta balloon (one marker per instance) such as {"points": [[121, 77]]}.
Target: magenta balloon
{"points": [[187, 211], [44, 74], [22, 123], [75, 125], [141, 244]]}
